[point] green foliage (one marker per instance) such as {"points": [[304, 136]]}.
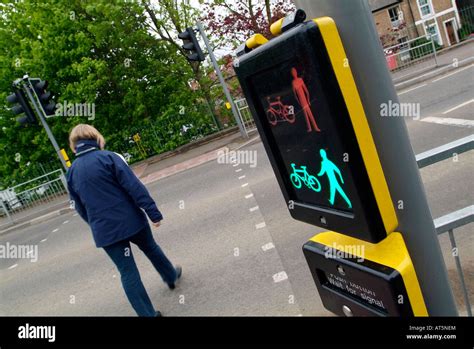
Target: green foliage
{"points": [[100, 52], [422, 47]]}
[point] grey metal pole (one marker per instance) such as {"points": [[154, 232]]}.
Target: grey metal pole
{"points": [[222, 81], [434, 50], [39, 111], [374, 82]]}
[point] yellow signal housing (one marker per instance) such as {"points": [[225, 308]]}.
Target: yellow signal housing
{"points": [[341, 66], [388, 253]]}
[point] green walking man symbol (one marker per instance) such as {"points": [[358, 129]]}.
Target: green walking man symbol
{"points": [[328, 168]]}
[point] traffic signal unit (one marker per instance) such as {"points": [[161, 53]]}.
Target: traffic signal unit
{"points": [[191, 45], [300, 89], [23, 106]]}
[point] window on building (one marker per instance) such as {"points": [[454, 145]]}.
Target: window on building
{"points": [[396, 16], [425, 7], [432, 32]]}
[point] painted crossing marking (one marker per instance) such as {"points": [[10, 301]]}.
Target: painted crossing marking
{"points": [[281, 276]]}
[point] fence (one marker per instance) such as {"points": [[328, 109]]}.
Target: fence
{"points": [[26, 200], [408, 44], [456, 219], [245, 115], [411, 52]]}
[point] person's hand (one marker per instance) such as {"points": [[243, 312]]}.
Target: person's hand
{"points": [[156, 224]]}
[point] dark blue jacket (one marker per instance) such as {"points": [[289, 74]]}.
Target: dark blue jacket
{"points": [[108, 195]]}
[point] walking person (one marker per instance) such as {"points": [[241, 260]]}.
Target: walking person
{"points": [[113, 201]]}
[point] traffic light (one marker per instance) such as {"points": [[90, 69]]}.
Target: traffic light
{"points": [[191, 45], [22, 107], [45, 97]]}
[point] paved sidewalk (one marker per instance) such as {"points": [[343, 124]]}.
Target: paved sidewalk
{"points": [[450, 58]]}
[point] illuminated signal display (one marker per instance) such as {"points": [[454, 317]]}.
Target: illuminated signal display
{"points": [[308, 132], [302, 123]]}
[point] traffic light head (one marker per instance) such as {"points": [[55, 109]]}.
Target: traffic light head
{"points": [[191, 45], [45, 98], [22, 106]]}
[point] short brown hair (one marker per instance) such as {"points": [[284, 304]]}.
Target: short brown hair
{"points": [[84, 131]]}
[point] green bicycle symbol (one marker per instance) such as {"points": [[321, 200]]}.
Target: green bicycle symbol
{"points": [[300, 176]]}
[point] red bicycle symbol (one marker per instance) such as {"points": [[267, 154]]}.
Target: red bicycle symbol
{"points": [[277, 110]]}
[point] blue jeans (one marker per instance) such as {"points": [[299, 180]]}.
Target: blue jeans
{"points": [[121, 254]]}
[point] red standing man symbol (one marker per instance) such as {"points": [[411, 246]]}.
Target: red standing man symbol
{"points": [[302, 96]]}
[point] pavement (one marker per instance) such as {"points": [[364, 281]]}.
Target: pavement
{"points": [[448, 59], [229, 227]]}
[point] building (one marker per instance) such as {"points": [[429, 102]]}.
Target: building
{"points": [[399, 21]]}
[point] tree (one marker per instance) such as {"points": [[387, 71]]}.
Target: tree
{"points": [[97, 52], [237, 20]]}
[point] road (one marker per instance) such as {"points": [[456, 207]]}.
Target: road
{"points": [[229, 228]]}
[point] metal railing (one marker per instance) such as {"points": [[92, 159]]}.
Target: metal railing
{"points": [[411, 52], [31, 198], [456, 219], [245, 115]]}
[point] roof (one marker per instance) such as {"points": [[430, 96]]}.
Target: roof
{"points": [[376, 5]]}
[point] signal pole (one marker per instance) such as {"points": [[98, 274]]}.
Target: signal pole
{"points": [[374, 82], [221, 80], [28, 88]]}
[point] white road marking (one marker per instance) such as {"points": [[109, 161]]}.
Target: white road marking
{"points": [[411, 89], [248, 196], [260, 225], [281, 276], [449, 121], [458, 106], [55, 230], [238, 170], [43, 240], [12, 266], [235, 165], [255, 208], [75, 214], [29, 252], [242, 177], [268, 246], [244, 185], [65, 222], [455, 72]]}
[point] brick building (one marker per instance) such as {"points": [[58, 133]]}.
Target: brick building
{"points": [[401, 20]]}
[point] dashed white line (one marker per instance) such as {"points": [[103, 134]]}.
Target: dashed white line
{"points": [[458, 106], [75, 214], [449, 121], [260, 225], [43, 240], [12, 266], [281, 276], [235, 165], [65, 222], [244, 185], [55, 230], [268, 246], [457, 71], [248, 196], [238, 170], [242, 177], [255, 208], [412, 89]]}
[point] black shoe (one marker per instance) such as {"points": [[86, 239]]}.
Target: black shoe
{"points": [[179, 271], [158, 314]]}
